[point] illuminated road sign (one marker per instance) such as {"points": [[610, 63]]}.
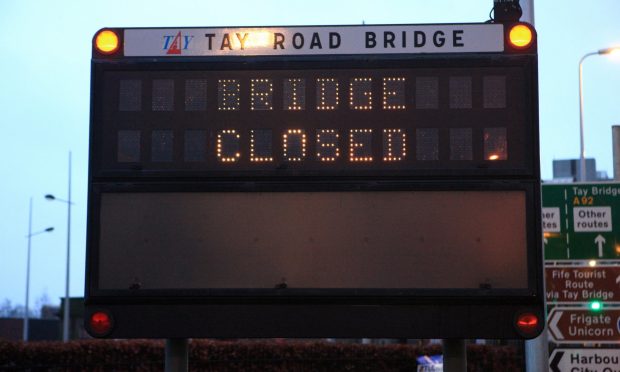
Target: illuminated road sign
{"points": [[583, 325], [578, 221], [570, 284], [584, 360], [333, 181]]}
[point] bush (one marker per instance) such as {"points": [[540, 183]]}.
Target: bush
{"points": [[148, 355]]}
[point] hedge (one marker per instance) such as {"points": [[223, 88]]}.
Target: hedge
{"points": [[209, 355]]}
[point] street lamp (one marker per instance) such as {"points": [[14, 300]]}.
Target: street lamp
{"points": [[29, 236], [582, 154], [65, 321]]}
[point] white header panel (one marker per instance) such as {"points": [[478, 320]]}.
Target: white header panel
{"points": [[325, 40]]}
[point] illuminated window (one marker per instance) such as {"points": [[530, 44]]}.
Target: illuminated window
{"points": [[460, 92], [261, 94], [495, 144], [195, 144], [130, 95], [427, 92], [294, 144], [494, 92], [195, 95], [394, 93], [394, 144], [461, 144], [228, 91], [128, 146], [360, 145], [163, 95], [261, 145], [427, 144], [228, 145], [327, 94], [294, 94], [161, 145], [360, 94], [327, 144]]}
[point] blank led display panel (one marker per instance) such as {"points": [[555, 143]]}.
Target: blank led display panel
{"points": [[195, 95], [128, 142], [461, 144], [374, 239], [494, 92], [130, 95], [162, 145], [460, 92], [163, 95], [427, 144], [194, 146], [427, 92]]}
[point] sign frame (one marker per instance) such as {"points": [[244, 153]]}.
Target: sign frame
{"points": [[417, 313]]}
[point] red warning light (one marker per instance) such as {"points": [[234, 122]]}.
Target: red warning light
{"points": [[527, 323], [100, 323]]}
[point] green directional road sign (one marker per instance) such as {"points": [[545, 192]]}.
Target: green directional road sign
{"points": [[581, 221]]}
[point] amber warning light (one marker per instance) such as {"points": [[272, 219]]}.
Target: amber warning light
{"points": [[107, 42], [521, 36]]}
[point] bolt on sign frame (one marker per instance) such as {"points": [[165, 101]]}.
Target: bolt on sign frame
{"points": [[328, 181]]}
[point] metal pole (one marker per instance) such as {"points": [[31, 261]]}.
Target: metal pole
{"points": [[454, 355], [536, 350], [25, 329], [582, 152], [528, 11], [65, 322], [176, 355], [615, 132]]}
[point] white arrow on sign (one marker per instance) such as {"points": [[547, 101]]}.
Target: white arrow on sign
{"points": [[553, 325], [600, 241], [562, 360]]}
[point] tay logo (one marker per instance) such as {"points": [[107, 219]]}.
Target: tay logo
{"points": [[174, 44]]}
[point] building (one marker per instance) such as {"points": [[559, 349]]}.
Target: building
{"points": [[76, 318], [568, 170]]}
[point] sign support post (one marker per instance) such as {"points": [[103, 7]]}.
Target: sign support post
{"points": [[454, 355], [176, 359]]}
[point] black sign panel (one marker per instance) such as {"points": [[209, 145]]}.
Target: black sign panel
{"points": [[333, 122], [348, 196]]}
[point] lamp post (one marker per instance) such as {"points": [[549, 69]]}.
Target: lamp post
{"points": [[65, 321], [29, 236], [582, 152]]}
